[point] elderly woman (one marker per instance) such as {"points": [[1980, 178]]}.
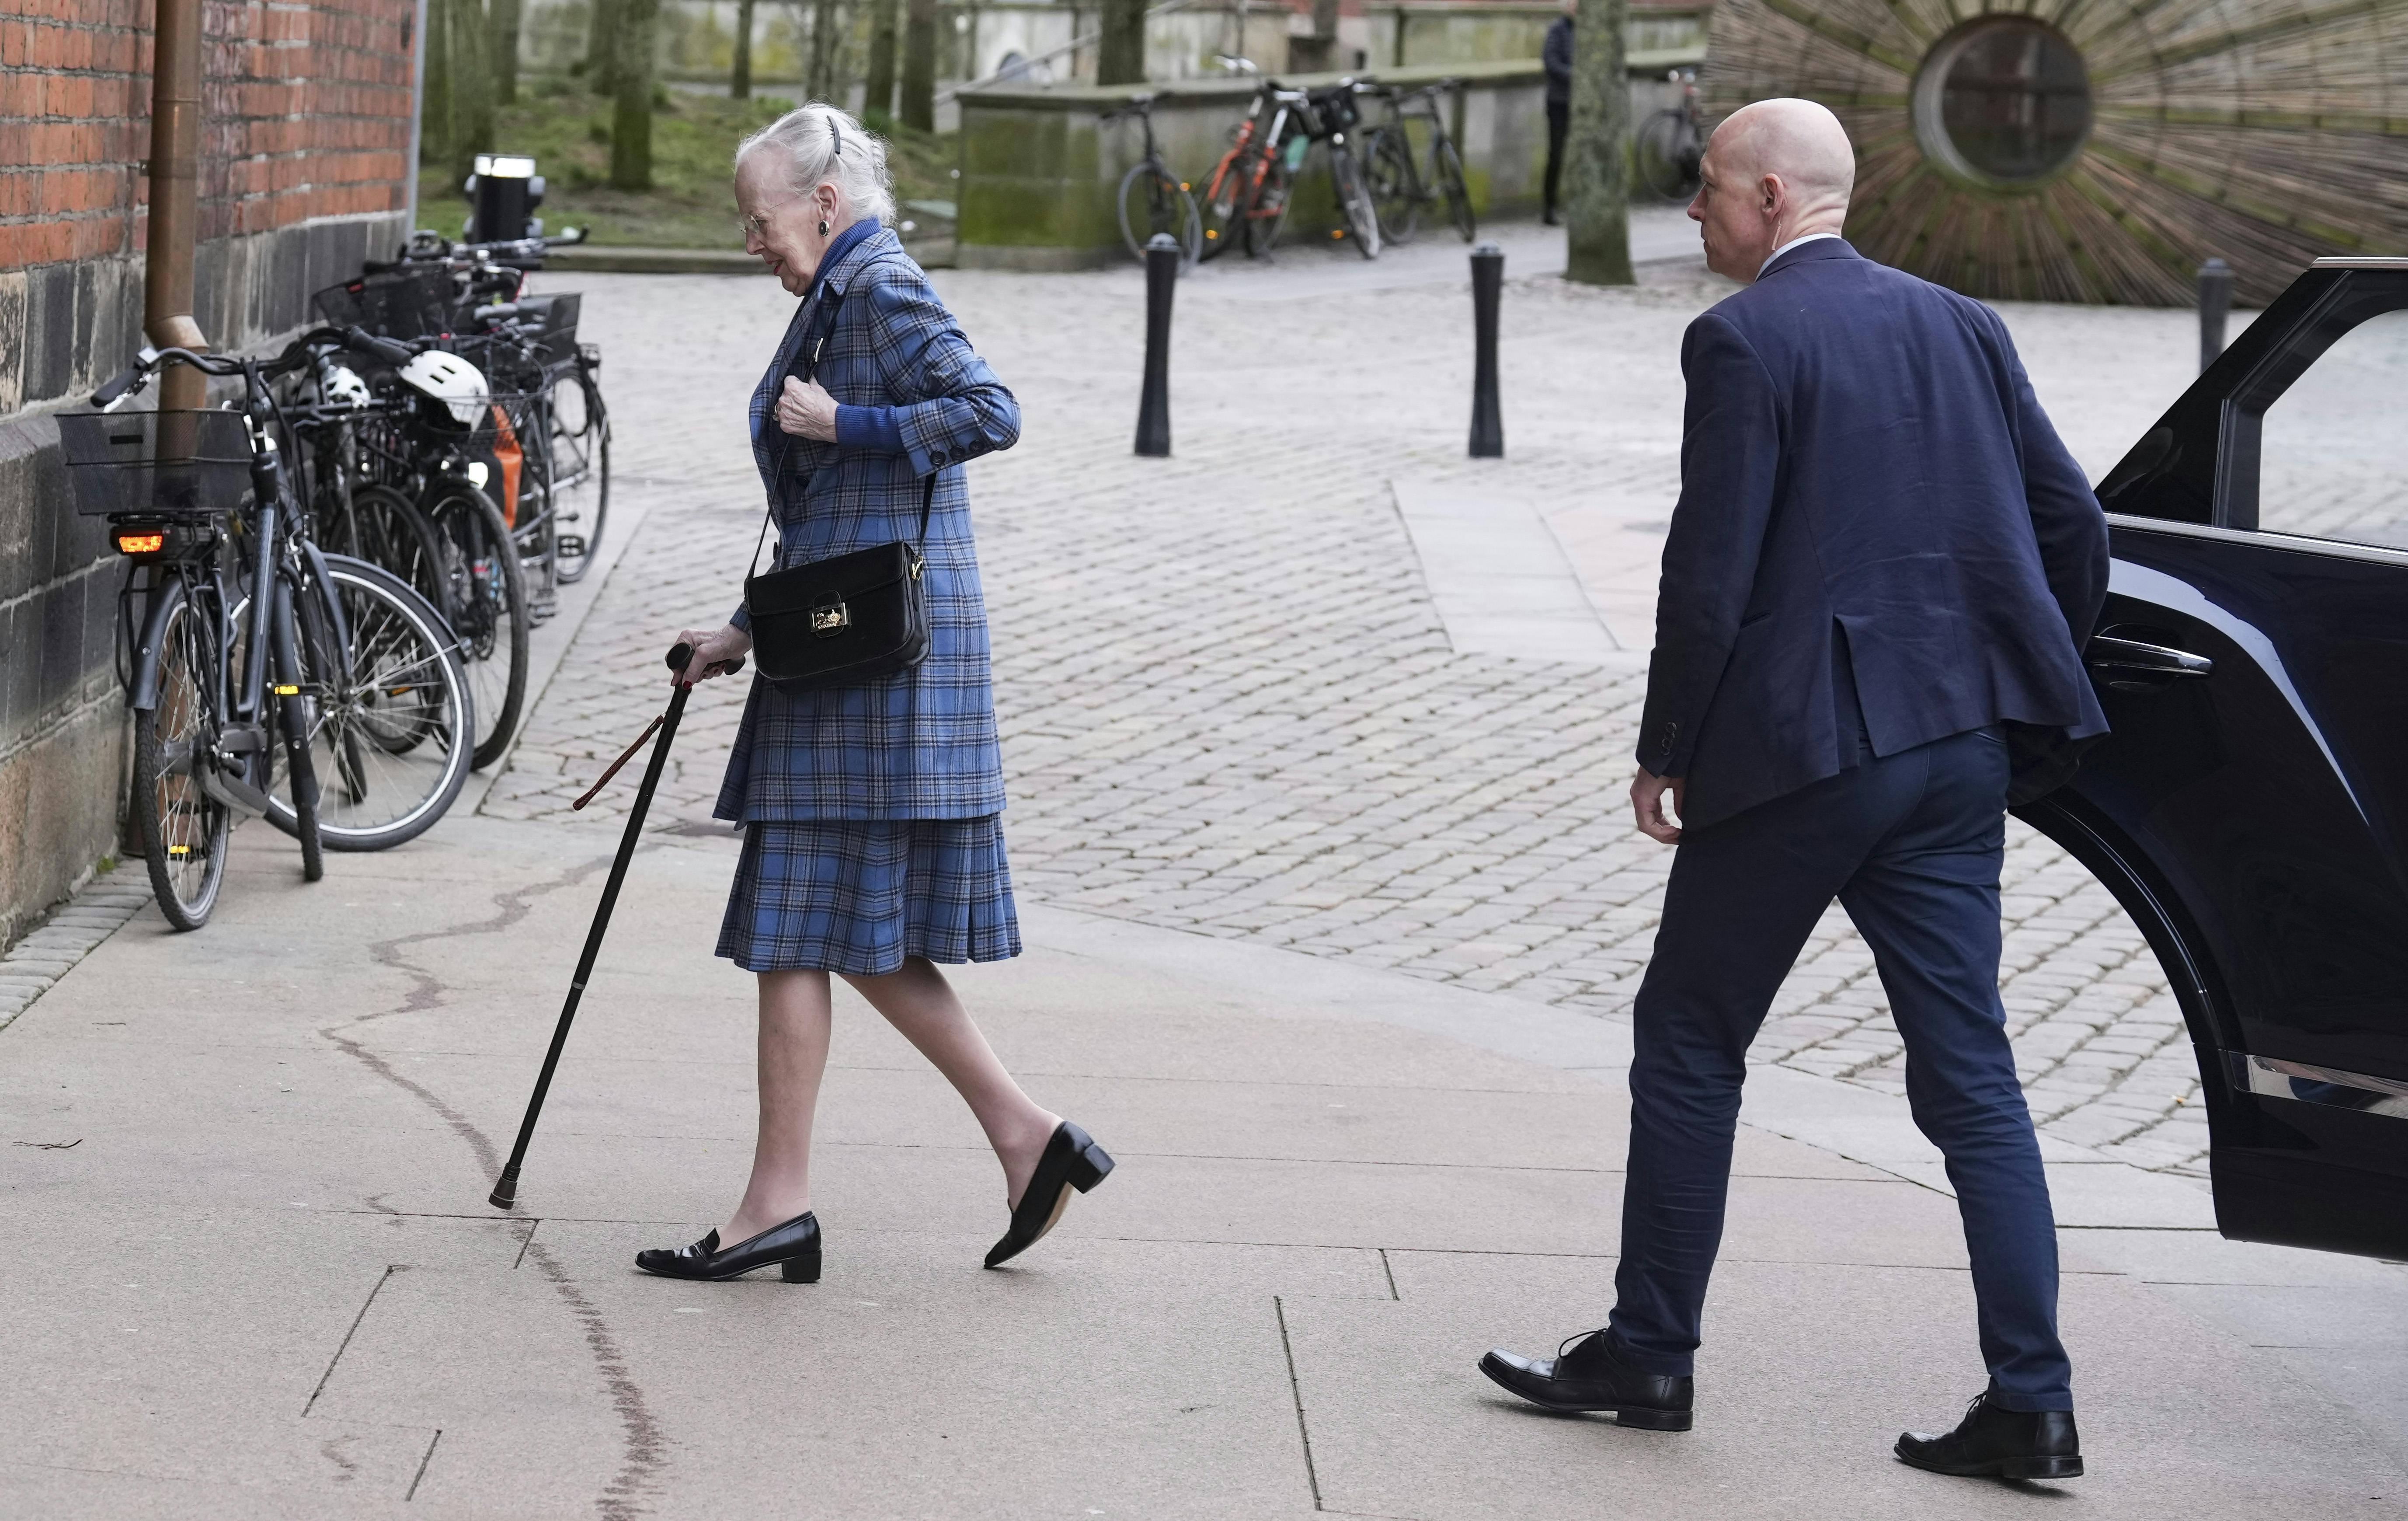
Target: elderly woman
{"points": [[873, 842]]}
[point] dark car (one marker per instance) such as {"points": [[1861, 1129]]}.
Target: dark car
{"points": [[2250, 811]]}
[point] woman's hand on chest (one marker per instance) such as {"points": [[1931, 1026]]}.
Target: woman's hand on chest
{"points": [[806, 410]]}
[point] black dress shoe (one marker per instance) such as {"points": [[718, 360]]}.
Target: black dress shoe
{"points": [[1995, 1443], [794, 1248], [1591, 1376], [1072, 1160]]}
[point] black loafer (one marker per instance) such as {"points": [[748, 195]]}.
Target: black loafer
{"points": [[792, 1248], [1590, 1376], [1072, 1160], [1995, 1443]]}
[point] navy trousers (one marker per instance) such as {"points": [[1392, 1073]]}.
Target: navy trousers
{"points": [[1911, 846]]}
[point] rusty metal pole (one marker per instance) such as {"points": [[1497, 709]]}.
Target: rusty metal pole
{"points": [[175, 182]]}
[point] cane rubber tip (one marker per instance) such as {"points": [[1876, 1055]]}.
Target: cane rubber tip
{"points": [[505, 1195]]}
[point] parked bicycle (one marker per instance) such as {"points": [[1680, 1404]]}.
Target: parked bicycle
{"points": [[256, 647], [1670, 144], [1247, 198], [1399, 188], [1152, 200]]}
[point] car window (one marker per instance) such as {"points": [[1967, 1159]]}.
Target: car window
{"points": [[2333, 447]]}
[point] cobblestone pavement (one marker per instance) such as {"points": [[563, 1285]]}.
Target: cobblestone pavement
{"points": [[1227, 703]]}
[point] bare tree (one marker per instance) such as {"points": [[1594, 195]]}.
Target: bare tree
{"points": [[504, 20], [1596, 202], [878, 93], [920, 65], [740, 80], [631, 115], [1120, 56]]}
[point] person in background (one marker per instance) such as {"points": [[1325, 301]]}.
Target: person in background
{"points": [[1884, 563], [1557, 57], [872, 814]]}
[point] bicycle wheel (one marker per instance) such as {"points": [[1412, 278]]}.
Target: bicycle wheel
{"points": [[1666, 155], [1266, 209], [1447, 169], [485, 599], [580, 472], [1152, 201], [1354, 200], [397, 676], [1227, 201], [1396, 190], [384, 527], [184, 830], [297, 697]]}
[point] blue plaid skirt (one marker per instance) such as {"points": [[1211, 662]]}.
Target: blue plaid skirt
{"points": [[857, 896]]}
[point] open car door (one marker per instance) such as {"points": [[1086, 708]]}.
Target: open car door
{"points": [[2250, 811]]}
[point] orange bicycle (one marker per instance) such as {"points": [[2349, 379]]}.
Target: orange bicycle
{"points": [[1245, 199]]}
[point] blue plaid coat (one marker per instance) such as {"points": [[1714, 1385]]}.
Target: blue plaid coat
{"points": [[920, 743]]}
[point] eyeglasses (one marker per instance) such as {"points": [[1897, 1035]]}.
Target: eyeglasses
{"points": [[757, 224]]}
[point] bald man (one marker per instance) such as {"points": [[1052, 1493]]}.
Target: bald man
{"points": [[1875, 591]]}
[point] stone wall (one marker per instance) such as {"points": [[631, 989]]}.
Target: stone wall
{"points": [[306, 110]]}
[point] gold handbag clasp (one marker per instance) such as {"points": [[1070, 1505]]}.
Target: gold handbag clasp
{"points": [[829, 615]]}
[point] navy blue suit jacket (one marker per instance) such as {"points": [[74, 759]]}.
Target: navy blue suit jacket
{"points": [[1869, 490]]}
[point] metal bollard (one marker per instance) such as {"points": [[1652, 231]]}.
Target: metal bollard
{"points": [[2215, 302], [1488, 283], [1162, 257]]}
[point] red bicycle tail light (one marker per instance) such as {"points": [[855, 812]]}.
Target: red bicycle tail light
{"points": [[150, 543]]}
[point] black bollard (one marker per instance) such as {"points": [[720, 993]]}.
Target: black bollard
{"points": [[2215, 302], [1162, 256], [1488, 283]]}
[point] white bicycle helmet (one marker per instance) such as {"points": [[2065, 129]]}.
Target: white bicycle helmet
{"points": [[344, 388], [451, 380]]}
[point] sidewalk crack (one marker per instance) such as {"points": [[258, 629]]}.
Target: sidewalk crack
{"points": [[1295, 1391], [346, 1343]]}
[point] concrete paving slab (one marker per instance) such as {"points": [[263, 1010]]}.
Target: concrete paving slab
{"points": [[1397, 1431]]}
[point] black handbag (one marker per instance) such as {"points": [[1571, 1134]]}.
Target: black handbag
{"points": [[846, 619]]}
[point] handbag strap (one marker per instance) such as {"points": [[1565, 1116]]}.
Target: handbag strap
{"points": [[831, 303], [811, 350]]}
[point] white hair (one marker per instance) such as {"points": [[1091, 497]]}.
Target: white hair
{"points": [[819, 145]]}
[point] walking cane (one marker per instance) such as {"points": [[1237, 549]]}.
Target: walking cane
{"points": [[506, 1189]]}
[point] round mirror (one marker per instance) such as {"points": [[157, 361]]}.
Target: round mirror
{"points": [[2004, 101]]}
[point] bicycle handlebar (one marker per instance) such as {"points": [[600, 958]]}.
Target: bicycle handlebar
{"points": [[296, 353]]}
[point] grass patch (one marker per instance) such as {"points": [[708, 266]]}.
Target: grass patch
{"points": [[691, 203]]}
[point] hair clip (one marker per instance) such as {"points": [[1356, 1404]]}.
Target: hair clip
{"points": [[835, 136]]}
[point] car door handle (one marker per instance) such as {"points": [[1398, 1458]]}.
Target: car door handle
{"points": [[2114, 654]]}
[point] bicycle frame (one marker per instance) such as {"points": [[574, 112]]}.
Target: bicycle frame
{"points": [[269, 625]]}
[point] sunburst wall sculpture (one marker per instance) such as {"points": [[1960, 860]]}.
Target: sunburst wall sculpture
{"points": [[2097, 150]]}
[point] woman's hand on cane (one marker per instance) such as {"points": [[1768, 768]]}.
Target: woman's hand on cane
{"points": [[712, 651]]}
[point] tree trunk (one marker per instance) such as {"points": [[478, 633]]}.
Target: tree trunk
{"points": [[1120, 59], [827, 37], [1597, 151], [435, 132], [739, 78], [631, 117], [504, 19], [920, 65], [878, 92], [471, 36], [602, 44]]}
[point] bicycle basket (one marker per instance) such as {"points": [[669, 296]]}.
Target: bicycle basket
{"points": [[173, 465], [1336, 109], [411, 302]]}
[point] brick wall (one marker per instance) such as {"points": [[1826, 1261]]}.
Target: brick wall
{"points": [[306, 110]]}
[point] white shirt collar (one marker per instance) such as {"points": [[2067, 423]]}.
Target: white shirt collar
{"points": [[1786, 246]]}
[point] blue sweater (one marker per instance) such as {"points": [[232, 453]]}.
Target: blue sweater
{"points": [[873, 429]]}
